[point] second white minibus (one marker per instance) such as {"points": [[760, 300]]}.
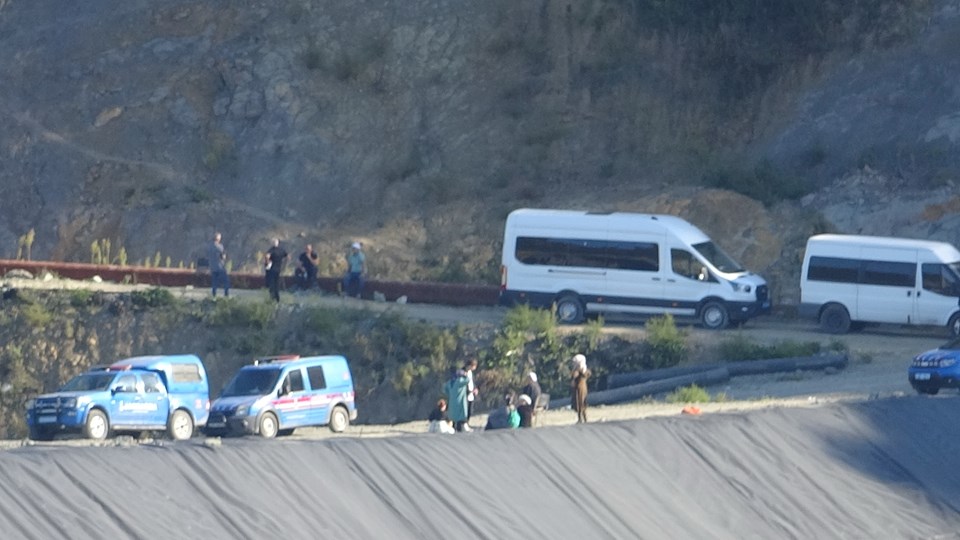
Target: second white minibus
{"points": [[850, 280]]}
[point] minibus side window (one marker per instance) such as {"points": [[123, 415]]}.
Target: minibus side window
{"points": [[588, 253], [896, 274], [834, 269]]}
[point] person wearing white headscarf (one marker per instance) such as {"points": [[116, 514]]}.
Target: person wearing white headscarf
{"points": [[578, 386], [532, 389]]}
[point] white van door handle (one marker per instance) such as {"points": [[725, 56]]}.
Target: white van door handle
{"points": [[655, 279], [671, 281]]}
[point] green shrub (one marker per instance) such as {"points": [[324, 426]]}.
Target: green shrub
{"points": [[688, 394], [233, 312], [741, 348], [36, 315], [666, 344], [153, 297], [763, 182], [81, 297]]}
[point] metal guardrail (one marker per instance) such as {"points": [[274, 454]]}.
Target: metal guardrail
{"points": [[452, 294]]}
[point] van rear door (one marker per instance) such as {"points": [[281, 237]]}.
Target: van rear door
{"points": [[888, 288]]}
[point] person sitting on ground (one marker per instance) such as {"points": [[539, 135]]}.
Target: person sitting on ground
{"points": [[439, 423], [505, 417], [525, 410]]}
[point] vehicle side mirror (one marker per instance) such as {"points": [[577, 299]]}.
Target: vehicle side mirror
{"points": [[280, 392], [114, 390], [704, 274]]}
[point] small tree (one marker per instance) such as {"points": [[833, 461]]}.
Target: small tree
{"points": [[96, 256]]}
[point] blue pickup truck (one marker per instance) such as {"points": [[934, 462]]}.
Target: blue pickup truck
{"points": [[146, 393]]}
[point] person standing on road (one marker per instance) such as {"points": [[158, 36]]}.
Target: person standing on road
{"points": [[525, 410], [272, 266], [456, 391], [532, 389], [578, 386], [308, 265], [217, 259], [356, 269], [470, 367]]}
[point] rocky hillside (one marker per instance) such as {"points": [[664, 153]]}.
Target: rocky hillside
{"points": [[416, 126]]}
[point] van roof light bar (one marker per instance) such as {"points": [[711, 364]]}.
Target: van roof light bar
{"points": [[278, 358]]}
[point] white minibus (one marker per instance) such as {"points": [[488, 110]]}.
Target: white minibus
{"points": [[851, 280], [593, 263]]}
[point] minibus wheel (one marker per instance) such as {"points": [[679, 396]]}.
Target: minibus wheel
{"points": [[714, 316], [955, 324], [569, 310], [835, 319]]}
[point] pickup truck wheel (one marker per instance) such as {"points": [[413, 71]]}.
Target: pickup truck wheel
{"points": [[339, 419], [269, 425], [180, 425], [97, 426]]}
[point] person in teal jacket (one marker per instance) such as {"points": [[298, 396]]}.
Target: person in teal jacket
{"points": [[456, 391]]}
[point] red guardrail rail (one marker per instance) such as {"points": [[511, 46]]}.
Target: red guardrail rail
{"points": [[452, 294]]}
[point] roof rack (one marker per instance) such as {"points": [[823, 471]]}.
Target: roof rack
{"points": [[278, 358]]}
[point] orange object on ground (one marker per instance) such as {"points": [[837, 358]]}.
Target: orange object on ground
{"points": [[690, 409]]}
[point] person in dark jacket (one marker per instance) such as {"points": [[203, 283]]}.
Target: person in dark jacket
{"points": [[532, 389], [504, 417], [272, 266], [439, 422], [525, 410]]}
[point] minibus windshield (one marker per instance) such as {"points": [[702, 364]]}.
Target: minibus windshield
{"points": [[718, 258]]}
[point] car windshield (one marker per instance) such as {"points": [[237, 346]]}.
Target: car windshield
{"points": [[718, 258], [252, 382], [88, 382]]}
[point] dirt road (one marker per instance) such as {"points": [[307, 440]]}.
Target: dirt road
{"points": [[878, 358]]}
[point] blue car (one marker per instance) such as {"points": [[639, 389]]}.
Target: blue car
{"points": [[275, 395], [935, 369]]}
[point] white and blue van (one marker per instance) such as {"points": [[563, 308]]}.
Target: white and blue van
{"points": [[648, 264], [275, 395]]}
